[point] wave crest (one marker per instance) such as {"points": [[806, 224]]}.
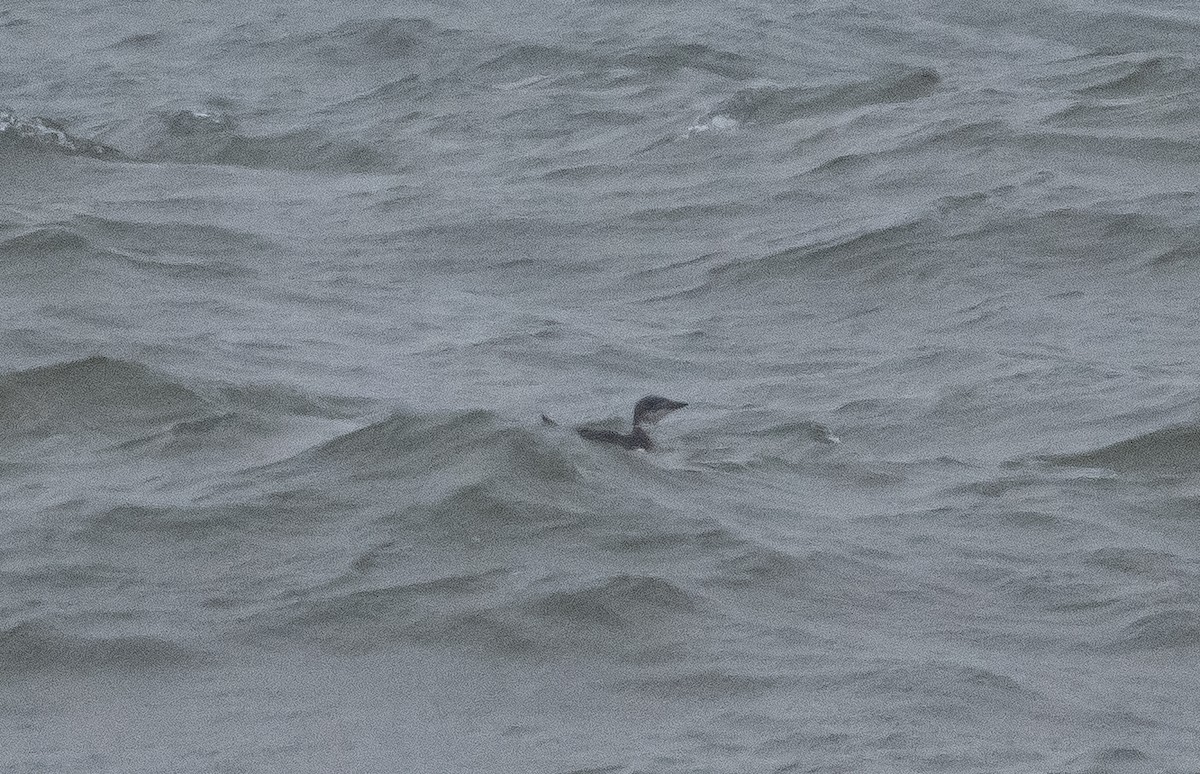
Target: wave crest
{"points": [[38, 646], [43, 134], [97, 393], [771, 104], [1172, 450], [1167, 629], [192, 137]]}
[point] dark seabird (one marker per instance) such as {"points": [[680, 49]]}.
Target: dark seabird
{"points": [[647, 411]]}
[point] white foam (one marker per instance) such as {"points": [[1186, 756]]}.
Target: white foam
{"points": [[717, 123]]}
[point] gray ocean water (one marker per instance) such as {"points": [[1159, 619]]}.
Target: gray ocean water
{"points": [[285, 287]]}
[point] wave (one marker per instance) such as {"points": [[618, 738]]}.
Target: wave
{"points": [[39, 647], [495, 508], [1172, 450], [424, 60], [1126, 29], [1133, 560], [60, 575], [201, 520], [94, 394], [1105, 74], [217, 434], [390, 606], [945, 139], [1143, 76], [48, 252], [1166, 629], [1104, 30], [386, 98], [619, 602], [460, 477], [191, 136], [44, 134], [792, 431], [51, 252], [301, 149], [175, 521], [1124, 233], [667, 57], [54, 254], [526, 64], [1122, 144], [450, 58], [704, 685], [1061, 596], [372, 43], [283, 399], [869, 248], [1112, 760], [406, 443], [142, 40], [172, 238], [372, 39], [197, 137], [969, 685], [623, 616], [488, 231], [583, 173], [536, 60], [832, 580], [418, 61], [229, 428], [772, 104]]}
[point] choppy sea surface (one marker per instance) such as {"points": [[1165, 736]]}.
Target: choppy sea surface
{"points": [[285, 287]]}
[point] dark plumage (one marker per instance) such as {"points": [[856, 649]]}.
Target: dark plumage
{"points": [[652, 408], [638, 439], [647, 411]]}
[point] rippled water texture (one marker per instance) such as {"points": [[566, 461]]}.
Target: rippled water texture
{"points": [[286, 287]]}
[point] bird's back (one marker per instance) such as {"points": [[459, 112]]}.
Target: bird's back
{"points": [[638, 439]]}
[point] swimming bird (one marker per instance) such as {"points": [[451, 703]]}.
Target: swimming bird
{"points": [[646, 411]]}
